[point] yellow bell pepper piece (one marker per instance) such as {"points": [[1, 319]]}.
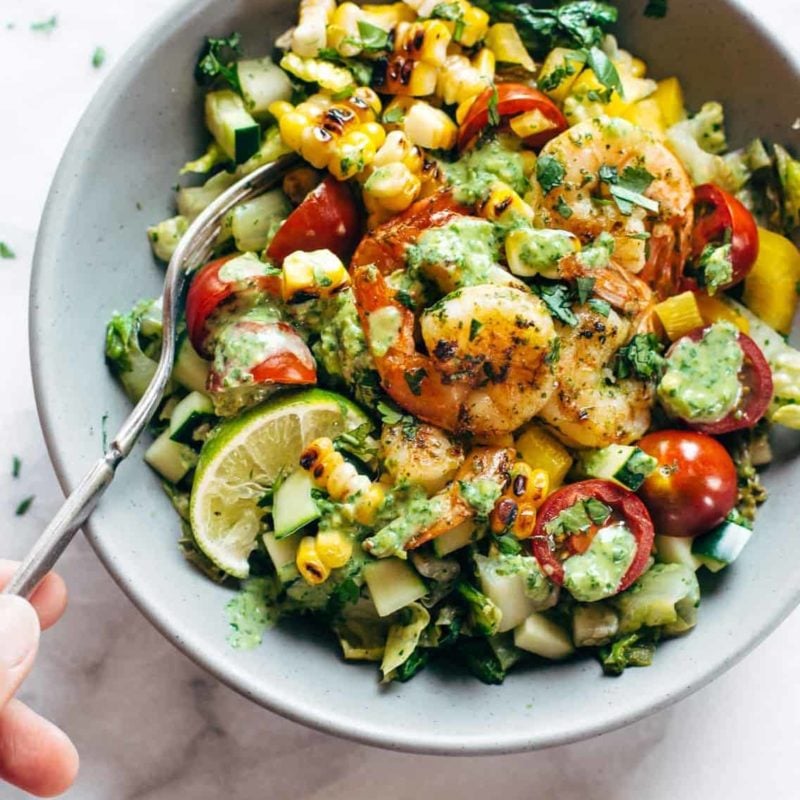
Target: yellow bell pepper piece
{"points": [[669, 96], [712, 309], [679, 315], [647, 114], [503, 40], [770, 290], [564, 64], [541, 450], [586, 87]]}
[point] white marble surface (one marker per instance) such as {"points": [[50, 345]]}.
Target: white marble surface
{"points": [[152, 726]]}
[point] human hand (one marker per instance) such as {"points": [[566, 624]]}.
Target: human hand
{"points": [[35, 755]]}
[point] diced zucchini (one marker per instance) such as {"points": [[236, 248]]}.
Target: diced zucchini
{"points": [[392, 584], [541, 636], [594, 624], [293, 506], [283, 554], [507, 592], [262, 82], [455, 539], [677, 550], [189, 369], [164, 236], [254, 222], [235, 131], [628, 466], [194, 410], [722, 546], [171, 460]]}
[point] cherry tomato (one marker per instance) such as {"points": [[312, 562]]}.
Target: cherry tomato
{"points": [[694, 487], [328, 219], [385, 247], [249, 352], [513, 99], [721, 218], [625, 507], [756, 380], [212, 285]]}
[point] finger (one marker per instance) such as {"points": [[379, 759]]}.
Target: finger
{"points": [[49, 599], [19, 640], [35, 755]]}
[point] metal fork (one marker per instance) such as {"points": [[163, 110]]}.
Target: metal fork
{"points": [[195, 247]]}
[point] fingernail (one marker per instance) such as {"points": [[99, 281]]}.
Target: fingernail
{"points": [[19, 630]]}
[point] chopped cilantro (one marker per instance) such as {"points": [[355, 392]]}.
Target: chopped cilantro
{"points": [[557, 298], [45, 26], [390, 415], [6, 251], [98, 57], [716, 267], [414, 380], [372, 38], [550, 172], [627, 189], [453, 12], [217, 62], [563, 208], [585, 286], [492, 108], [604, 70], [641, 358], [578, 518], [599, 306], [474, 328], [25, 505], [656, 9], [554, 354], [16, 466]]}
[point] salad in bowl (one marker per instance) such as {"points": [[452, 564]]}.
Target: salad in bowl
{"points": [[490, 376]]}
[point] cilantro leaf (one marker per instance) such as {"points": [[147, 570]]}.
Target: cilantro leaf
{"points": [[16, 466], [492, 108], [599, 306], [604, 70], [656, 9], [550, 172], [46, 25], [641, 358], [390, 414], [6, 252], [563, 208], [454, 13], [585, 286], [554, 354], [372, 38], [217, 63], [475, 326], [25, 505], [627, 189], [557, 298], [98, 57], [414, 380]]}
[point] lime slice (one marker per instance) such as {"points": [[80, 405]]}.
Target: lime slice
{"points": [[243, 458]]}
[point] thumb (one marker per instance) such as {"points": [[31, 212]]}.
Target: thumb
{"points": [[19, 640]]}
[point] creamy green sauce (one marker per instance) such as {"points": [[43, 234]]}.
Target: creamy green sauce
{"points": [[538, 252], [243, 267], [701, 382], [498, 159], [481, 494], [250, 614], [598, 254], [384, 328], [597, 573], [407, 510]]}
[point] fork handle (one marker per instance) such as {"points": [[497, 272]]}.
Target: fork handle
{"points": [[59, 533]]}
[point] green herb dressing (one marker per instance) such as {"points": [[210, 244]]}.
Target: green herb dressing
{"points": [[701, 382], [250, 614]]}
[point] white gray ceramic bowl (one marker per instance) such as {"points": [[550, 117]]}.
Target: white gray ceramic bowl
{"points": [[93, 258]]}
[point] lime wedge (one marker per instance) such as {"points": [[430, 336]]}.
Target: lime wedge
{"points": [[242, 459]]}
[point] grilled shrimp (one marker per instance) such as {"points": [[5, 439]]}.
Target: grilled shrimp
{"points": [[599, 153], [484, 371], [589, 407]]}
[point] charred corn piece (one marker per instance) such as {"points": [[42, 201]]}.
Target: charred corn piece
{"points": [[334, 548], [392, 187], [320, 459], [429, 127], [390, 15], [319, 273], [425, 41], [473, 27], [504, 205], [459, 79], [310, 34], [310, 565], [368, 503], [679, 315], [399, 74], [342, 33]]}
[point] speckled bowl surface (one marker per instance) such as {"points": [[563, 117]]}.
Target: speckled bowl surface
{"points": [[93, 258]]}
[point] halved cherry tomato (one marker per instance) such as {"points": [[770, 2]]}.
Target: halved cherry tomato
{"points": [[721, 218], [755, 377], [385, 247], [625, 507], [694, 486], [251, 352], [513, 99], [328, 219], [212, 285]]}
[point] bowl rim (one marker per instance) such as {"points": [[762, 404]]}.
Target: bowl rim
{"points": [[56, 212]]}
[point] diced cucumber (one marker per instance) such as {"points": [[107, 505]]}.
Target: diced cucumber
{"points": [[455, 539], [194, 410], [504, 650], [594, 624], [171, 460], [628, 466], [253, 222], [189, 369], [164, 236], [392, 584], [235, 131], [541, 636], [677, 550], [293, 506], [283, 554], [507, 592], [722, 546], [262, 82]]}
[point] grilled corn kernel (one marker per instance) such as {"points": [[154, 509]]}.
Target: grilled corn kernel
{"points": [[315, 144], [292, 125], [679, 315], [429, 127], [525, 523], [334, 548], [474, 24], [504, 205], [279, 108], [390, 15], [398, 148], [369, 503], [459, 79], [343, 35], [354, 151], [399, 74], [463, 109], [309, 564], [394, 187], [318, 273], [423, 41], [309, 35], [365, 103], [315, 452], [340, 479]]}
